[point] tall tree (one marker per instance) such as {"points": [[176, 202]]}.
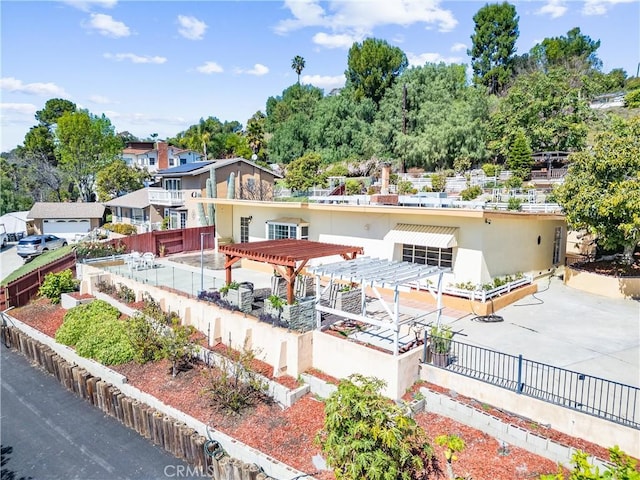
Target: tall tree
{"points": [[297, 64], [574, 49], [118, 178], [53, 110], [304, 172], [445, 119], [547, 108], [255, 134], [86, 144], [373, 66], [601, 192], [519, 159], [494, 40]]}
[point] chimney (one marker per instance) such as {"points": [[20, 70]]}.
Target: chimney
{"points": [[163, 155], [386, 170]]}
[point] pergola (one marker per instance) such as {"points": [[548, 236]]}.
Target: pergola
{"points": [[287, 256], [373, 273]]}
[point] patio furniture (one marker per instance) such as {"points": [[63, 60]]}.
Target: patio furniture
{"points": [[134, 261], [148, 260]]}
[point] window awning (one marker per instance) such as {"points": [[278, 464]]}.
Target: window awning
{"points": [[424, 235]]}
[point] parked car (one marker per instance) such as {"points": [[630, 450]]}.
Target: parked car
{"points": [[34, 245]]}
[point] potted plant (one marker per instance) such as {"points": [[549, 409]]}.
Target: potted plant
{"points": [[440, 344]]}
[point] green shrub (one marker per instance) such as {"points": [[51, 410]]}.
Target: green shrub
{"points": [[622, 467], [107, 342], [514, 204], [632, 99], [126, 294], [98, 250], [353, 187], [513, 182], [491, 170], [77, 320], [145, 339], [471, 193], [121, 228], [438, 182], [55, 284], [405, 187]]}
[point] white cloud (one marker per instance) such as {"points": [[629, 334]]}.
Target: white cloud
{"points": [[86, 5], [459, 47], [359, 18], [323, 81], [600, 7], [209, 68], [107, 26], [119, 57], [335, 41], [100, 100], [19, 108], [421, 59], [553, 8], [191, 27], [258, 70], [37, 88]]}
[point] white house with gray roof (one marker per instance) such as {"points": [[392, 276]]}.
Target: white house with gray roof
{"points": [[66, 219]]}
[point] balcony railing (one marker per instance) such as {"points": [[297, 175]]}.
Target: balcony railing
{"points": [[167, 198]]}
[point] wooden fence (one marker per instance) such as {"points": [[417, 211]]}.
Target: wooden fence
{"points": [[172, 241], [23, 289], [164, 431]]}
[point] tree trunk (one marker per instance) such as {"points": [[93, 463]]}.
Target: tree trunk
{"points": [[629, 248]]}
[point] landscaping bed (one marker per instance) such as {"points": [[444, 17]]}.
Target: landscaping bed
{"points": [[287, 435]]}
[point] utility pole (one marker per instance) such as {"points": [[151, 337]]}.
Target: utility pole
{"points": [[404, 125]]}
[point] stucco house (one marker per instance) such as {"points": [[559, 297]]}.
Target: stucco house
{"points": [[66, 219], [189, 182], [135, 208], [156, 156], [477, 245]]}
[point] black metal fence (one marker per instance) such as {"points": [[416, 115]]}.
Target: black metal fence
{"points": [[595, 396]]}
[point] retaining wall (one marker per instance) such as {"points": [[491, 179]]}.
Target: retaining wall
{"points": [[576, 424], [608, 286]]}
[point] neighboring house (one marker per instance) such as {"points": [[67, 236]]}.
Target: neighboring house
{"points": [[136, 209], [156, 156], [66, 219], [478, 245], [189, 181], [607, 100], [15, 223]]}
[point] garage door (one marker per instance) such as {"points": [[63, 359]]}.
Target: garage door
{"points": [[67, 228]]}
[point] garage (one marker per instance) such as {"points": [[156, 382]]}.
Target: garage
{"points": [[68, 226]]}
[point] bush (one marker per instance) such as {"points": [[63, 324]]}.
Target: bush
{"points": [[353, 187], [622, 467], [513, 182], [121, 228], [632, 99], [405, 187], [234, 385], [471, 193], [438, 182], [491, 170], [514, 204], [126, 294], [78, 319], [145, 339], [106, 341], [55, 284], [98, 250]]}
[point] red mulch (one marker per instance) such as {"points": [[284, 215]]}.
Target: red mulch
{"points": [[287, 435], [80, 296]]}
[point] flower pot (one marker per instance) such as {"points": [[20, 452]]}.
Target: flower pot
{"points": [[440, 359]]}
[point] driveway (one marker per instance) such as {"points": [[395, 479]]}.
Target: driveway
{"points": [[49, 433], [9, 260]]}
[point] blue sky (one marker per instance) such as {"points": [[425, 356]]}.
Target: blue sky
{"points": [[160, 66]]}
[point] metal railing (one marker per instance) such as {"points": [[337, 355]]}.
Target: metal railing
{"points": [[595, 396], [484, 295]]}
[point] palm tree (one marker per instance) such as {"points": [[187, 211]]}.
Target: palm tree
{"points": [[297, 64]]}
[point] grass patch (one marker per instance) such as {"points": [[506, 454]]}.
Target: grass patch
{"points": [[37, 262]]}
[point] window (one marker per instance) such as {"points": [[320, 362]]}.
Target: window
{"points": [[557, 244], [152, 161], [172, 162], [172, 184], [438, 257], [244, 229], [183, 161], [137, 215], [277, 231]]}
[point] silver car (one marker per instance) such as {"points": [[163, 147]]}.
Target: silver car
{"points": [[34, 245]]}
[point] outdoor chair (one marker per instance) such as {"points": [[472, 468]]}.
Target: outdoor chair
{"points": [[148, 260]]}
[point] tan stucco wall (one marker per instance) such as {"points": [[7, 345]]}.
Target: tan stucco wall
{"points": [[399, 373], [490, 244], [612, 287]]}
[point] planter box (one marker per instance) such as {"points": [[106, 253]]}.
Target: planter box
{"points": [[241, 298], [67, 301], [349, 301], [441, 360]]}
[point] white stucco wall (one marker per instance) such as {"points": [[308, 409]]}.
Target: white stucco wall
{"points": [[490, 244]]}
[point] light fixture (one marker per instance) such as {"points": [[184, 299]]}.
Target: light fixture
{"points": [[487, 221]]}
